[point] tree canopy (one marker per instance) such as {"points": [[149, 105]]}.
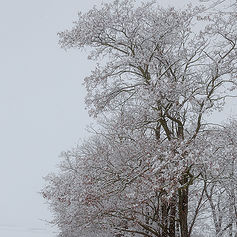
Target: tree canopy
{"points": [[155, 165]]}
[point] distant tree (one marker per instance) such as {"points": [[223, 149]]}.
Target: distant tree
{"points": [[155, 165]]}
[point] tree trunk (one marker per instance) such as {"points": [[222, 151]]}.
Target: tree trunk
{"points": [[183, 206], [164, 212], [172, 217]]}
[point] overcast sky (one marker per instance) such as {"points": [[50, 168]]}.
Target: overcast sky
{"points": [[41, 106]]}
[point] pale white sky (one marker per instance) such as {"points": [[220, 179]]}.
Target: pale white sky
{"points": [[41, 106]]}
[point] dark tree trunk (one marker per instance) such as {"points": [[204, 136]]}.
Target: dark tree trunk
{"points": [[164, 212], [183, 206], [172, 217]]}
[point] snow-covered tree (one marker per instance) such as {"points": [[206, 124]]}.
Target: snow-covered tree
{"points": [[155, 166]]}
